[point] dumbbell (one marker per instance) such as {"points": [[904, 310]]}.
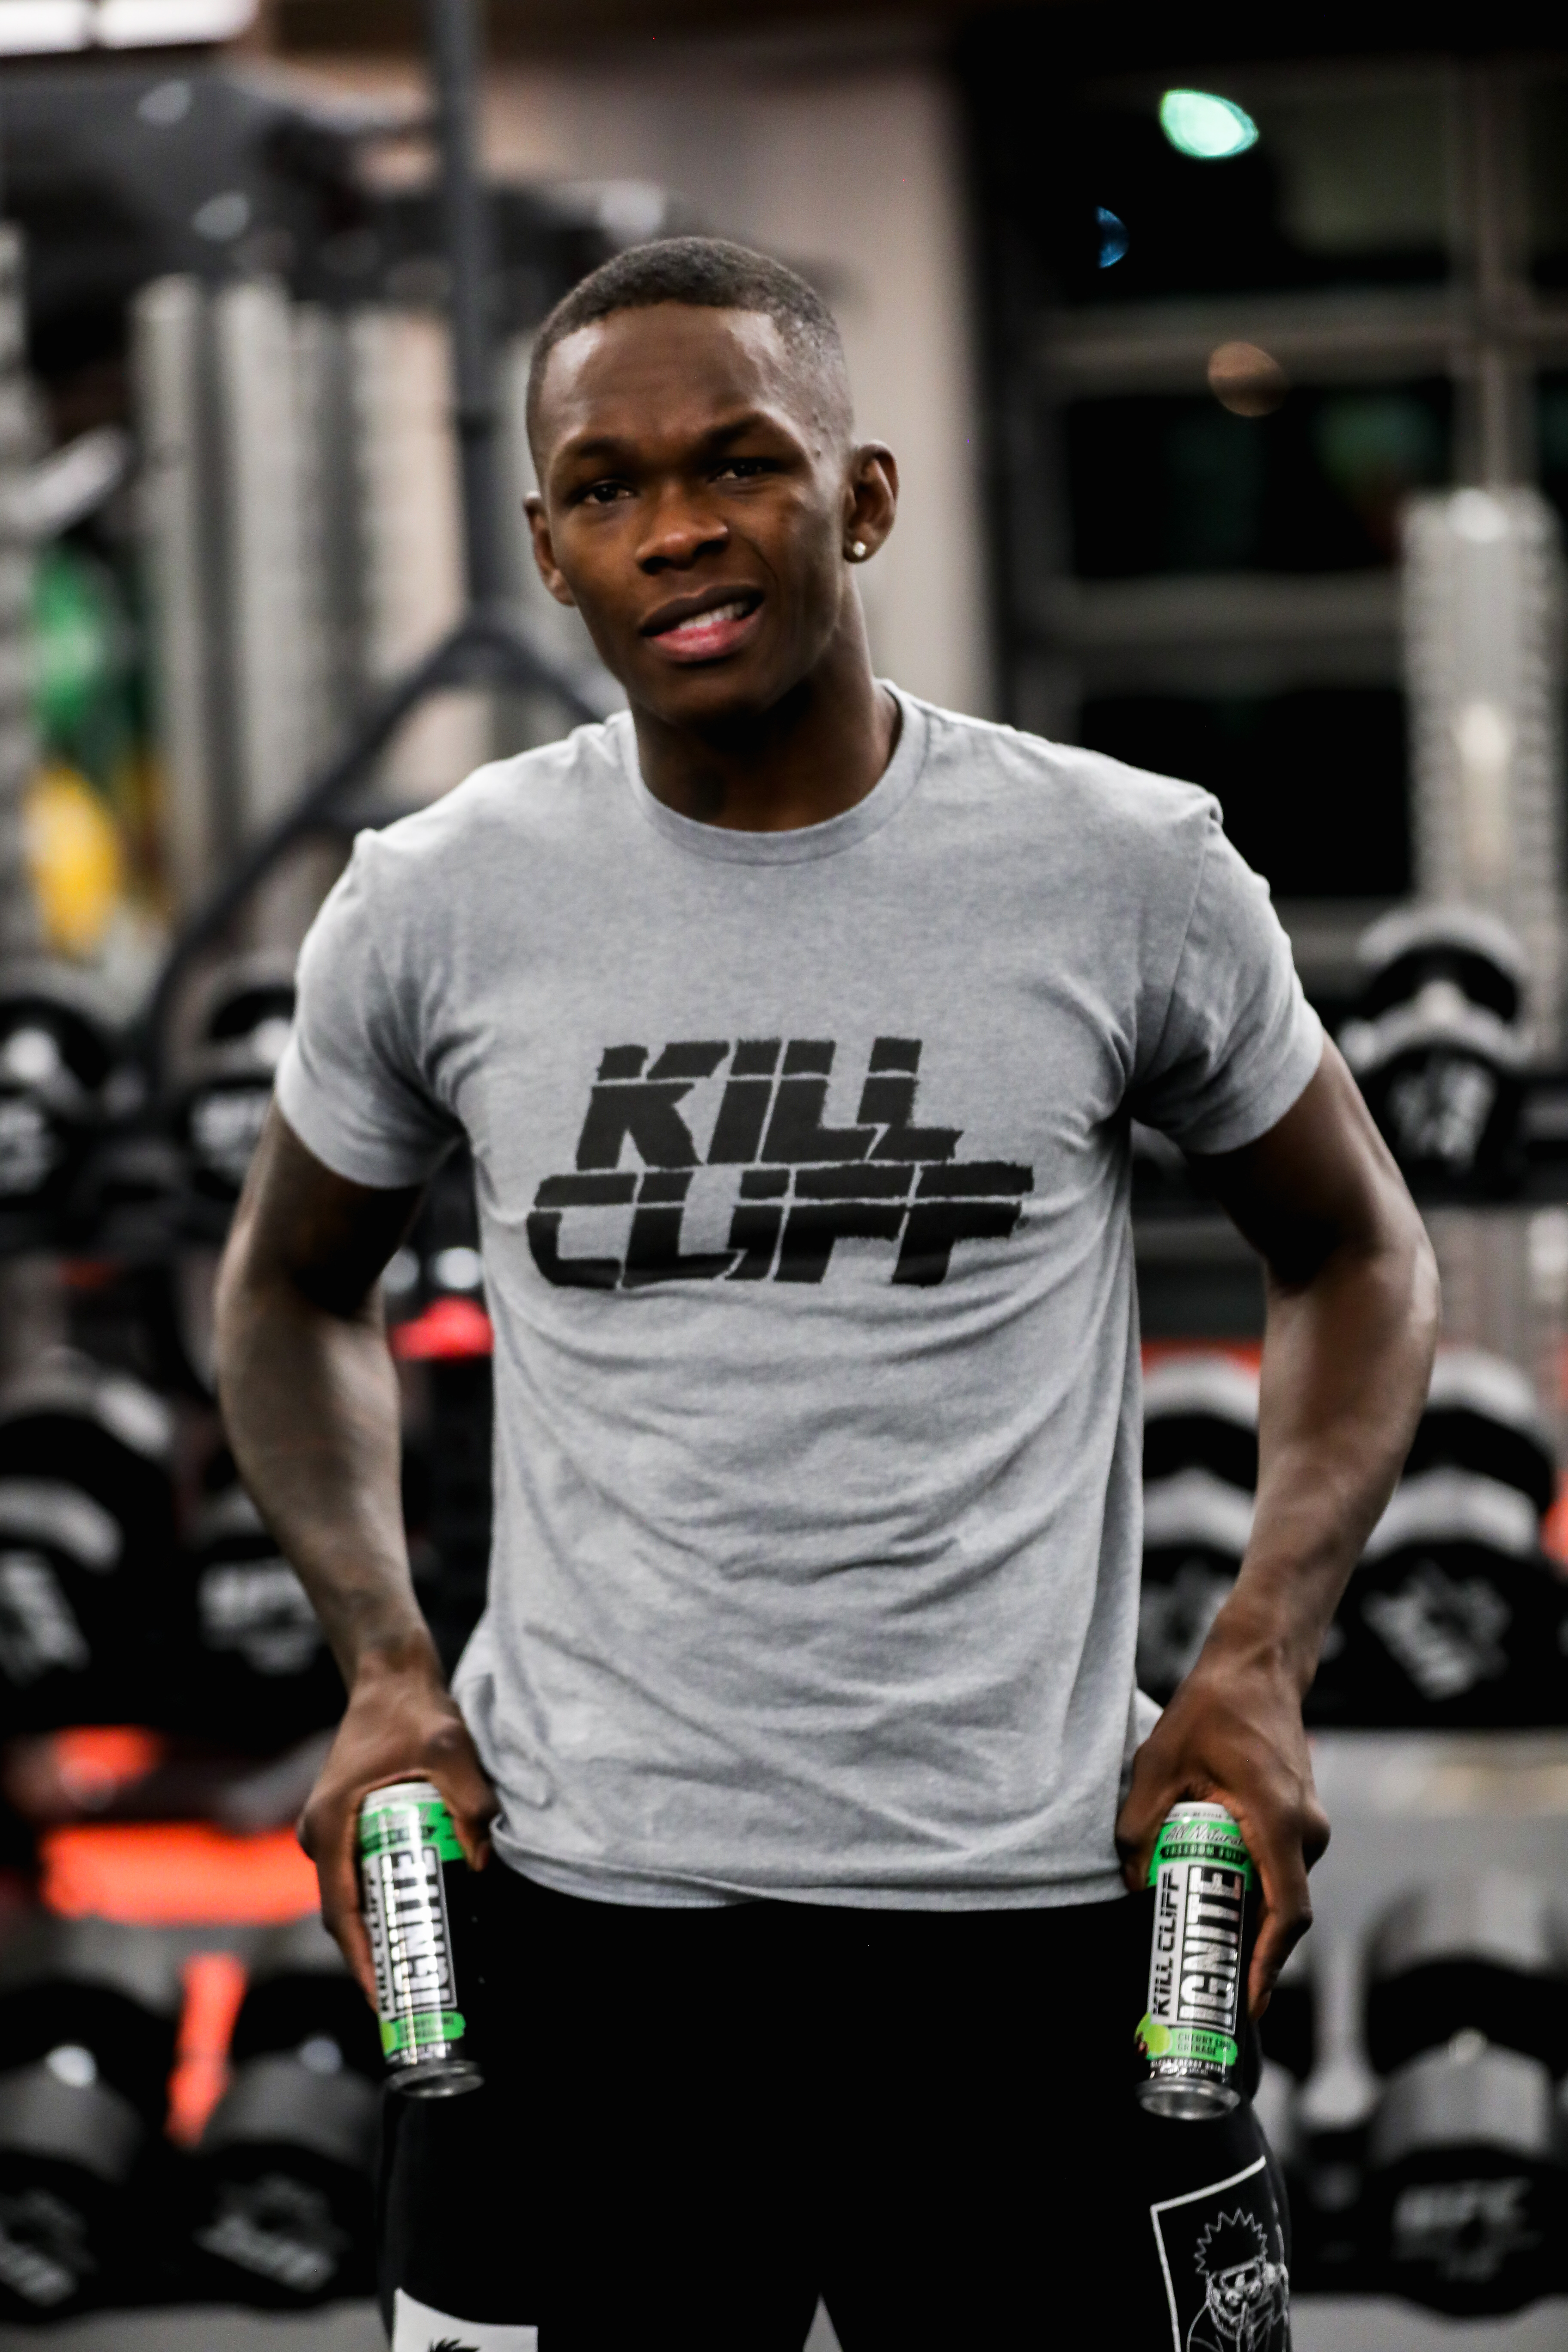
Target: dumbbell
{"points": [[301, 2000], [1466, 2187], [1438, 1044], [225, 1088], [86, 1538], [1195, 1530], [280, 2203], [1200, 1412], [56, 1057], [112, 1991], [1451, 1618], [249, 1666], [1481, 1415], [1462, 1954], [68, 2147], [1333, 2112]]}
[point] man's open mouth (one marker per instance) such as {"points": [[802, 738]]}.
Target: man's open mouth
{"points": [[701, 629]]}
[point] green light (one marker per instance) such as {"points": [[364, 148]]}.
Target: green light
{"points": [[1199, 124]]}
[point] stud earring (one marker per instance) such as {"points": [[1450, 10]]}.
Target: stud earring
{"points": [[858, 552]]}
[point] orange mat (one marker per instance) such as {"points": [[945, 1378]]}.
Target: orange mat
{"points": [[175, 1874]]}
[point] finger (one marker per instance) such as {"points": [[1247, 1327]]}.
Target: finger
{"points": [[1287, 1909], [353, 1942], [337, 1875], [455, 1768], [1154, 1792]]}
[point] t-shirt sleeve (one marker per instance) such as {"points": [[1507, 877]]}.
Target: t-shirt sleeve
{"points": [[1238, 1042], [350, 1083]]}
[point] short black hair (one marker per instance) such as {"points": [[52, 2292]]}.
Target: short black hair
{"points": [[710, 274]]}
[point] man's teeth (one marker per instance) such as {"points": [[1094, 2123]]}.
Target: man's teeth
{"points": [[716, 613]]}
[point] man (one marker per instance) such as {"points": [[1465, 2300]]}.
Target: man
{"points": [[796, 1028]]}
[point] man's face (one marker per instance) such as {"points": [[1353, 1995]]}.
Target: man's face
{"points": [[1237, 2291], [698, 494]]}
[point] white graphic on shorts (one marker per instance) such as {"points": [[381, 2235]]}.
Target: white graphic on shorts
{"points": [[1247, 2304], [1221, 2251], [418, 2327]]}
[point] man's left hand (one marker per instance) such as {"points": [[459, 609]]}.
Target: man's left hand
{"points": [[1232, 1736]]}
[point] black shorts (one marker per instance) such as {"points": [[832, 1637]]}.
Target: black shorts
{"points": [[695, 2122]]}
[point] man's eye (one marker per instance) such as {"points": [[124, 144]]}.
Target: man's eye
{"points": [[602, 494], [743, 469]]}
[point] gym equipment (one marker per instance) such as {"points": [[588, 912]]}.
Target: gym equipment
{"points": [[486, 647], [87, 1532], [1453, 1617], [1200, 1412], [301, 2000], [1334, 2111], [1439, 1044], [1195, 1530], [1465, 2190], [248, 1665], [68, 2147], [281, 2191], [55, 1060], [110, 1990], [58, 1551], [1481, 1415], [243, 1028], [1470, 1954]]}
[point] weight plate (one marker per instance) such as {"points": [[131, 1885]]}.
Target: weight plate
{"points": [[1474, 1955], [112, 1990], [80, 2122], [87, 1533], [1200, 1411], [250, 1668], [1481, 1415], [1473, 951], [281, 2203], [55, 1059], [302, 2002], [1466, 2193]]}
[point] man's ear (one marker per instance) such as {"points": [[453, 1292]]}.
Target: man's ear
{"points": [[870, 497], [544, 550]]}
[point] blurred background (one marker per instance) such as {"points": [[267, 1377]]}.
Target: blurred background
{"points": [[1226, 362]]}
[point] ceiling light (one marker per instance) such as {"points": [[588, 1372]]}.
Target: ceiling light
{"points": [[1198, 123]]}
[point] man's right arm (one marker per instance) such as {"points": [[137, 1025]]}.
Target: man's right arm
{"points": [[310, 1400]]}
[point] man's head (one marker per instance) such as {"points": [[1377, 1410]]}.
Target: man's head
{"points": [[701, 496]]}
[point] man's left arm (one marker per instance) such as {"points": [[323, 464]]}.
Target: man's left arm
{"points": [[1347, 1355]]}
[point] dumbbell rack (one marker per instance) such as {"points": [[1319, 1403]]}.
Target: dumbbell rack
{"points": [[1407, 1806]]}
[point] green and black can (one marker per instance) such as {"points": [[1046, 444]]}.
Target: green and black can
{"points": [[1189, 2037], [408, 1854]]}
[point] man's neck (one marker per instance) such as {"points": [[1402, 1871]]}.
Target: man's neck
{"points": [[815, 753]]}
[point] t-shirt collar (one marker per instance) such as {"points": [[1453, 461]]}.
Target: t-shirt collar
{"points": [[883, 802]]}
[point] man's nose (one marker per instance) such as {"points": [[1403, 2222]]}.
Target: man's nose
{"points": [[680, 530]]}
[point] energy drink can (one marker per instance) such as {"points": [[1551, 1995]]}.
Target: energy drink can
{"points": [[407, 1846], [1188, 2037]]}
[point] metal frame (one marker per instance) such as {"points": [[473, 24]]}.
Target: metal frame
{"points": [[486, 647], [1489, 330]]}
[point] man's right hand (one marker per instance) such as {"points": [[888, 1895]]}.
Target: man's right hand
{"points": [[400, 1724]]}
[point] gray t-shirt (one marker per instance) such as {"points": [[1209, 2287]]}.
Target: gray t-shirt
{"points": [[802, 1171]]}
